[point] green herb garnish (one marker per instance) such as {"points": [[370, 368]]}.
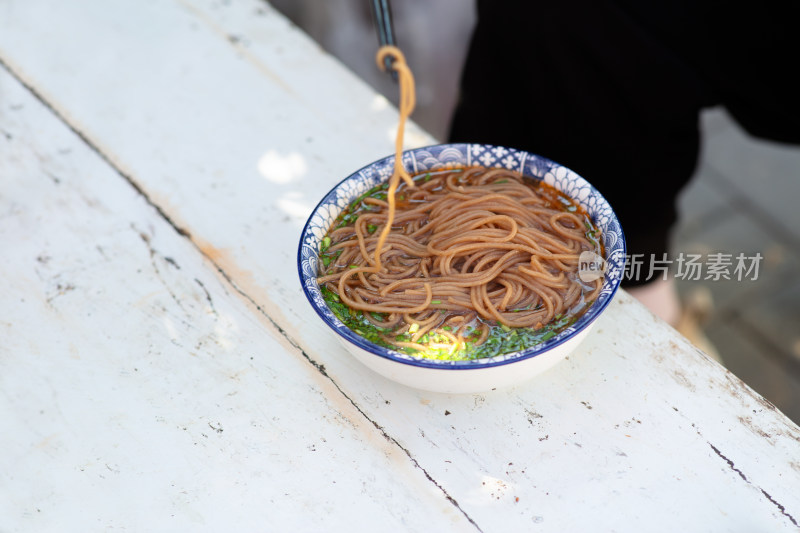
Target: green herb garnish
{"points": [[501, 340]]}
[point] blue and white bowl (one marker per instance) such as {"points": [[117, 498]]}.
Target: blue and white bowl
{"points": [[480, 374]]}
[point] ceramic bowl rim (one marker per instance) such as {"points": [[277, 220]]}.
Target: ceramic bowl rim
{"points": [[586, 320]]}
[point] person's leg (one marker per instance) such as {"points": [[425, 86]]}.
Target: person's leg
{"points": [[743, 53], [661, 297]]}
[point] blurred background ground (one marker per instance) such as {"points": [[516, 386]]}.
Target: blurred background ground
{"points": [[742, 200]]}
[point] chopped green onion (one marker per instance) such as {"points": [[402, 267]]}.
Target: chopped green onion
{"points": [[326, 242]]}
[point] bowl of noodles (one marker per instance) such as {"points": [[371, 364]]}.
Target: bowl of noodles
{"points": [[492, 268]]}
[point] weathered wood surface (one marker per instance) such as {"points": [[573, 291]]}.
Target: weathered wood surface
{"points": [[161, 369], [140, 391]]}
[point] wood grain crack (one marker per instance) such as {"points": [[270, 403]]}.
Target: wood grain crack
{"points": [[208, 297], [93, 147], [780, 507], [321, 368]]}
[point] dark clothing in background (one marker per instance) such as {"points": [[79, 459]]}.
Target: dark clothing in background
{"points": [[613, 90]]}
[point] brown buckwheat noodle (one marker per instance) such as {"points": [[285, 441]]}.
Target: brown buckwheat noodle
{"points": [[458, 249]]}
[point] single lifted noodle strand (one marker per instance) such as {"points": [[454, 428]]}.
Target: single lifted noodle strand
{"points": [[408, 100]]}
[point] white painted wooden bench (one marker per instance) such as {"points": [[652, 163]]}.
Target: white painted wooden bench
{"points": [[160, 369]]}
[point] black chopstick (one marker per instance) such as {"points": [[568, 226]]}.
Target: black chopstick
{"points": [[382, 13]]}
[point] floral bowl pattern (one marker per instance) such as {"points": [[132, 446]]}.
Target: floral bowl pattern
{"points": [[479, 374]]}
